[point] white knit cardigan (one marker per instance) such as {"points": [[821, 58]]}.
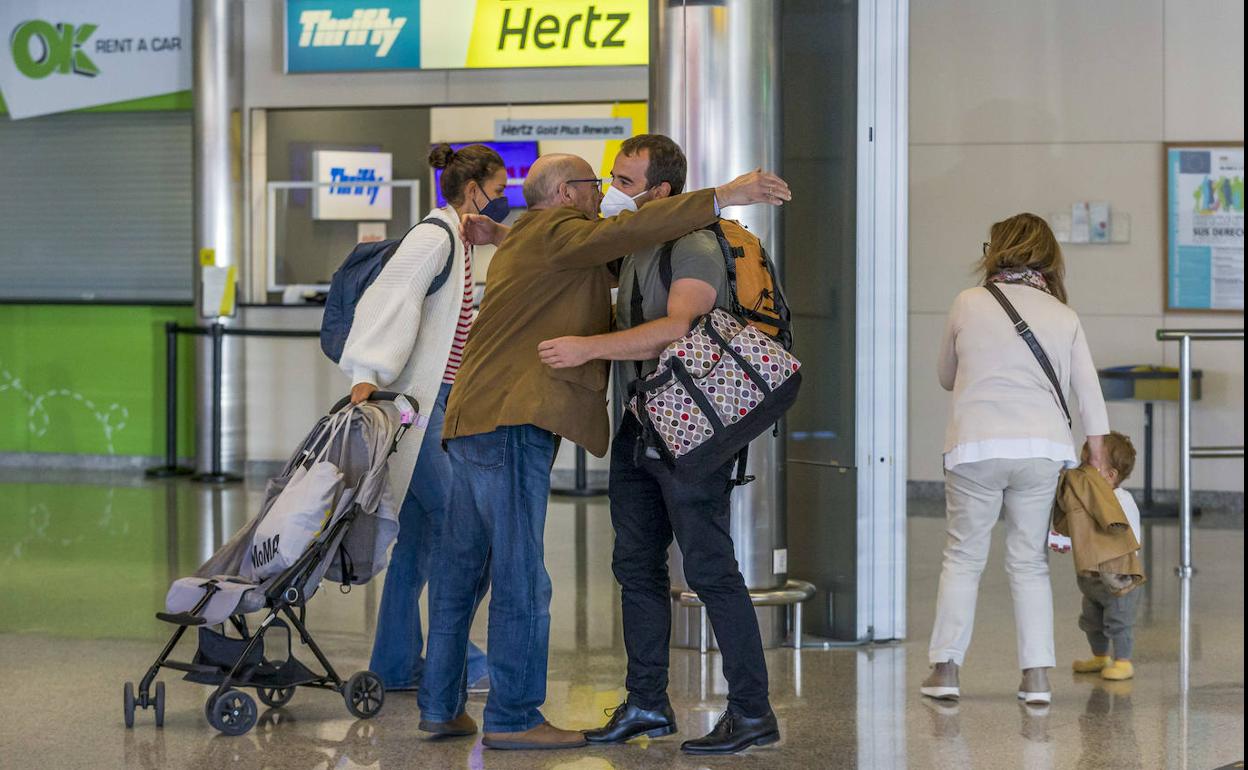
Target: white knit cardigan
{"points": [[1003, 404], [400, 339]]}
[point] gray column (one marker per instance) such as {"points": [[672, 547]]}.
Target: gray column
{"points": [[714, 89], [217, 89]]}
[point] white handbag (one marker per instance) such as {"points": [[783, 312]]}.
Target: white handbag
{"points": [[302, 511]]}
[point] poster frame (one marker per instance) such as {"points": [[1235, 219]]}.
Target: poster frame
{"points": [[1165, 225]]}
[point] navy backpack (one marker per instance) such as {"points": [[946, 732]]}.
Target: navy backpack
{"points": [[356, 274]]}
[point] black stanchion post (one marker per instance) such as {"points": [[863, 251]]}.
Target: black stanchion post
{"points": [[1148, 454], [216, 473], [217, 341], [171, 467], [580, 484], [582, 469]]}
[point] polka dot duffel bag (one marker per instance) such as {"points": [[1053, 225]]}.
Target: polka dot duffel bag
{"points": [[715, 390]]}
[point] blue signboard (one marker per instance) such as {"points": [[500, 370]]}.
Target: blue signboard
{"points": [[348, 35], [517, 157]]}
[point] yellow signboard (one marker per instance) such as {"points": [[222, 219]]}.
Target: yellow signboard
{"points": [[534, 34], [559, 33]]}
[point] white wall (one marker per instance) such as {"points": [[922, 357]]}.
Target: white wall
{"points": [[1022, 105]]}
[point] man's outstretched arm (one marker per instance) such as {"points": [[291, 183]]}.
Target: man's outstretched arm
{"points": [[688, 300]]}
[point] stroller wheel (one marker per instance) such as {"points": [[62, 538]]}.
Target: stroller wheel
{"points": [[364, 694], [160, 704], [275, 697], [127, 703], [233, 712]]}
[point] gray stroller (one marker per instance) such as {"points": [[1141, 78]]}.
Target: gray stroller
{"points": [[350, 547]]}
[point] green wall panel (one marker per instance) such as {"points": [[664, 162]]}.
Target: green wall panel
{"points": [[90, 379]]}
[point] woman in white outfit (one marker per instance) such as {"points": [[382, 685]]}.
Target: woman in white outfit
{"points": [[408, 335], [1006, 443]]}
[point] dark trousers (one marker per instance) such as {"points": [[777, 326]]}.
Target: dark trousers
{"points": [[1108, 619], [648, 507]]}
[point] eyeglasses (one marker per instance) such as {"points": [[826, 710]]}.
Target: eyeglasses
{"points": [[594, 181], [986, 245]]}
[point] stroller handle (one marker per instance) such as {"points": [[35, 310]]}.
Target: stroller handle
{"points": [[377, 395]]}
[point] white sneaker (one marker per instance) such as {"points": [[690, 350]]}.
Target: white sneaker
{"points": [[942, 683], [1034, 690]]}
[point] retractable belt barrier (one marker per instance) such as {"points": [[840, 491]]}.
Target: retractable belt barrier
{"points": [[218, 332]]}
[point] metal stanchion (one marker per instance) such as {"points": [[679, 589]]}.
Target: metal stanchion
{"points": [[1186, 451], [216, 474], [580, 484], [1185, 457], [171, 467]]}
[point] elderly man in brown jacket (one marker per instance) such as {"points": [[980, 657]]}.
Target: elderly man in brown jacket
{"points": [[548, 279]]}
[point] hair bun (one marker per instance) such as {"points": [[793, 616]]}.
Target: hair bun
{"points": [[441, 155]]}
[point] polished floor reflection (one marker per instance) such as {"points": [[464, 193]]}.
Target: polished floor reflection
{"points": [[85, 561]]}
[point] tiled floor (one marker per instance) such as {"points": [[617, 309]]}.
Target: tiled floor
{"points": [[85, 562]]}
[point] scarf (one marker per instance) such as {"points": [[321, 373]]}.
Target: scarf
{"points": [[1023, 275]]}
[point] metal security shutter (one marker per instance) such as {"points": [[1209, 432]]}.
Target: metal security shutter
{"points": [[96, 207]]}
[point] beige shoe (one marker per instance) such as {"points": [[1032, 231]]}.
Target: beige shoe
{"points": [[942, 683], [544, 736], [1034, 690], [459, 726]]}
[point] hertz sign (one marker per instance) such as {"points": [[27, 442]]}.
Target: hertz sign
{"points": [[354, 35], [571, 33]]}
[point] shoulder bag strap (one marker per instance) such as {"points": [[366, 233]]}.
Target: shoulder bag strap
{"points": [[1024, 331], [440, 279]]}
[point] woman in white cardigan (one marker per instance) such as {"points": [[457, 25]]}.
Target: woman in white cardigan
{"points": [[405, 338], [1006, 443]]}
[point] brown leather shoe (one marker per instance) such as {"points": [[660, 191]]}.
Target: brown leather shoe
{"points": [[458, 727], [544, 736]]}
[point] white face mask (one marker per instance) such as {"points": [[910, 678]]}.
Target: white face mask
{"points": [[616, 200]]}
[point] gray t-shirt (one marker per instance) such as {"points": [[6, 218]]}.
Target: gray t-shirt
{"points": [[696, 255]]}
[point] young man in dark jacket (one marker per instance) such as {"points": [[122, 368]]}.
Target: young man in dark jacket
{"points": [[548, 278], [648, 505]]}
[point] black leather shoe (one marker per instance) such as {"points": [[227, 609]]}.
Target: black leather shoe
{"points": [[734, 733], [629, 721]]}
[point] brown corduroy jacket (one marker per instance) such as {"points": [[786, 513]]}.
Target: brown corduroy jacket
{"points": [[549, 279], [1087, 512]]}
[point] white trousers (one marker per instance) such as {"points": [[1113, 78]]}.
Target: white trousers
{"points": [[976, 495]]}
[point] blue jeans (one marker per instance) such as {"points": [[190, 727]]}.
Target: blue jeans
{"points": [[502, 482], [422, 519]]}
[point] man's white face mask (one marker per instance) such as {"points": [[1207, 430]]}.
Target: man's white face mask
{"points": [[616, 200]]}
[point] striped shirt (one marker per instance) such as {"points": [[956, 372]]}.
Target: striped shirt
{"points": [[462, 328]]}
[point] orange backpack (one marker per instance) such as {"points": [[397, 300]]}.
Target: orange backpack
{"points": [[757, 297]]}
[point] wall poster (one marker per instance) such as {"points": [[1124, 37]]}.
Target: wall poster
{"points": [[1205, 226]]}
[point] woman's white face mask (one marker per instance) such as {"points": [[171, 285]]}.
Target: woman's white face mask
{"points": [[616, 200]]}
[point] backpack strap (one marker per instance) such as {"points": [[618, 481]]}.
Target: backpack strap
{"points": [[636, 313], [1025, 332], [665, 265], [743, 457], [730, 264], [731, 255], [440, 279]]}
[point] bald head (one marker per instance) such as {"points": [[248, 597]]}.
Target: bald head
{"points": [[541, 186]]}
